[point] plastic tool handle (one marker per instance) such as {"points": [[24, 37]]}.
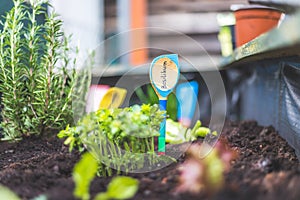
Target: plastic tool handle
{"points": [[162, 131]]}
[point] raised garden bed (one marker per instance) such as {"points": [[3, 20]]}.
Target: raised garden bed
{"points": [[267, 168], [40, 96]]}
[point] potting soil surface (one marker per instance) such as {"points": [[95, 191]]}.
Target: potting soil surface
{"points": [[267, 168]]}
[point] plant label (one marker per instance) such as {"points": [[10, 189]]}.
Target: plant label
{"points": [[164, 74]]}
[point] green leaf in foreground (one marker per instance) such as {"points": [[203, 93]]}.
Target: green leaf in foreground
{"points": [[6, 193], [121, 187], [83, 173]]}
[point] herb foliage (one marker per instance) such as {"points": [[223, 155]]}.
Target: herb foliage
{"points": [[37, 73], [119, 138]]}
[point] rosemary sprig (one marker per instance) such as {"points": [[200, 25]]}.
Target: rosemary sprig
{"points": [[37, 73]]}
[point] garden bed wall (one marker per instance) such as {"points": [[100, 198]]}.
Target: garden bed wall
{"points": [[271, 95]]}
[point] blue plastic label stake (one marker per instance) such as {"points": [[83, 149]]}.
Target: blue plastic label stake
{"points": [[164, 74], [186, 94]]}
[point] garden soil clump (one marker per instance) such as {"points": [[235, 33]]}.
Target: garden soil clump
{"points": [[267, 168]]}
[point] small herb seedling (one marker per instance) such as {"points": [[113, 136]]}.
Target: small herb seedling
{"points": [[120, 187], [6, 193], [84, 172], [128, 133], [176, 133]]}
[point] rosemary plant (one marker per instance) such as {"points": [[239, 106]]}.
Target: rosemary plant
{"points": [[37, 74]]}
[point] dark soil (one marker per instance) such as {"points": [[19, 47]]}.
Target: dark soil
{"points": [[267, 168]]}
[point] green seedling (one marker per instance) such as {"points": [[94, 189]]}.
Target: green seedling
{"points": [[176, 133], [6, 193], [121, 187], [84, 172], [73, 140], [120, 138], [120, 125]]}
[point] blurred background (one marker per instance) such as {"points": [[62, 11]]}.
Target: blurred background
{"points": [[128, 34], [189, 28], [93, 21]]}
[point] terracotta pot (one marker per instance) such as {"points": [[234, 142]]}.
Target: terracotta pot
{"points": [[252, 21]]}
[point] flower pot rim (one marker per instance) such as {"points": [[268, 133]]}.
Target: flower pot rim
{"points": [[239, 7]]}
